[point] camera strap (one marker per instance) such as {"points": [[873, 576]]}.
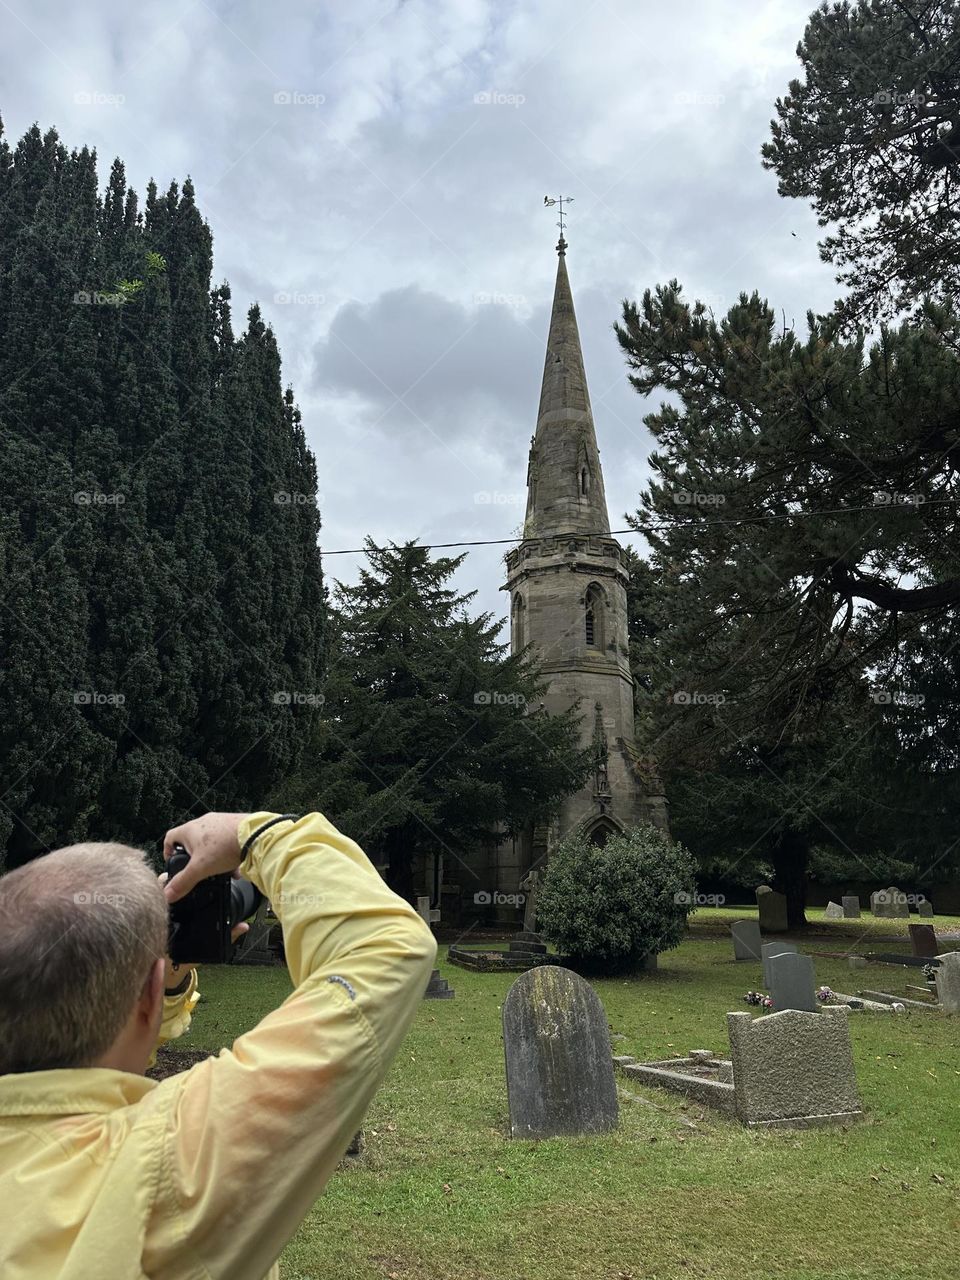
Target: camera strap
{"points": [[284, 817]]}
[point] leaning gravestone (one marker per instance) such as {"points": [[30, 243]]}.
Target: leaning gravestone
{"points": [[833, 911], [925, 908], [746, 940], [557, 1046], [793, 1068], [773, 910], [948, 982], [773, 949], [851, 907], [923, 940], [792, 982]]}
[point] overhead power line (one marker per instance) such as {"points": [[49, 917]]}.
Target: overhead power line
{"points": [[900, 504]]}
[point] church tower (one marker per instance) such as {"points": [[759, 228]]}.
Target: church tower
{"points": [[567, 583]]}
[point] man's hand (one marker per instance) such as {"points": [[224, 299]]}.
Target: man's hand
{"points": [[213, 846]]}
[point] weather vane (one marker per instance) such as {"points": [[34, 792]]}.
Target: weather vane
{"points": [[550, 201]]}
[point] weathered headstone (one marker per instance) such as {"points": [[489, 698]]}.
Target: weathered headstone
{"points": [[773, 949], [891, 903], [948, 982], [857, 962], [793, 1067], [925, 908], [530, 886], [746, 940], [429, 915], [557, 1047], [772, 910], [833, 911], [851, 907], [923, 940], [792, 982]]}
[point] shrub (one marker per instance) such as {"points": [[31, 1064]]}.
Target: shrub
{"points": [[609, 908]]}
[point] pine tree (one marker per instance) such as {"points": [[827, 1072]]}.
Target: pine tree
{"points": [[432, 737]]}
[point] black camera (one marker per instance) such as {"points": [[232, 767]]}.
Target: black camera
{"points": [[201, 922]]}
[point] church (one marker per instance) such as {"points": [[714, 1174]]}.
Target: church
{"points": [[567, 589]]}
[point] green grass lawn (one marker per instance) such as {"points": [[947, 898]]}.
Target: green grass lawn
{"points": [[442, 1194]]}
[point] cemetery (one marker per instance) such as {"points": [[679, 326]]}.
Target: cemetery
{"points": [[447, 1187], [479, 685]]}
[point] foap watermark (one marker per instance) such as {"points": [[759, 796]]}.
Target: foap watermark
{"points": [[98, 298], [296, 98], [97, 899], [94, 498], [486, 898], [297, 900], [292, 298], [92, 698], [495, 498], [499, 300], [693, 698], [491, 698], [297, 698], [693, 98], [496, 98], [883, 498], [684, 498], [96, 98], [896, 898], [896, 698], [898, 98], [284, 499], [683, 898]]}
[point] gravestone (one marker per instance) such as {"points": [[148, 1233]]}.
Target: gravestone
{"points": [[772, 909], [746, 940], [948, 982], [851, 907], [833, 911], [793, 1068], [792, 982], [438, 988], [923, 940], [925, 908], [857, 962], [530, 886], [429, 915], [556, 1043], [891, 903], [773, 949]]}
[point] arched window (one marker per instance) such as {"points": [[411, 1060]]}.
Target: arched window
{"points": [[518, 623], [593, 617], [601, 833]]}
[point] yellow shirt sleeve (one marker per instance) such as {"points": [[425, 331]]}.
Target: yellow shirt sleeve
{"points": [[251, 1137]]}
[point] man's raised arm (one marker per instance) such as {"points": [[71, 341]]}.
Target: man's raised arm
{"points": [[251, 1137]]}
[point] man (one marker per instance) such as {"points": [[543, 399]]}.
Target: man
{"points": [[105, 1175]]}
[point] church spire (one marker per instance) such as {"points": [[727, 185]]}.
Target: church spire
{"points": [[564, 482]]}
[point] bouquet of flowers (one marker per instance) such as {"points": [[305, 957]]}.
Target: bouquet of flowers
{"points": [[824, 993], [757, 997]]}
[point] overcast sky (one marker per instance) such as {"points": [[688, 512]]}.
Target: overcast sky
{"points": [[374, 175]]}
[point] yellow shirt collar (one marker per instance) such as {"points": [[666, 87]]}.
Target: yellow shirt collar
{"points": [[68, 1091]]}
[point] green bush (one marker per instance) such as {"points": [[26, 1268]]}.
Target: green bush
{"points": [[609, 908]]}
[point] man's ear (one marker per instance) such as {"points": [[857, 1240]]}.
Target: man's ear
{"points": [[151, 998]]}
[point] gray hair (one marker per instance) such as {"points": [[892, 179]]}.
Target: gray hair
{"points": [[80, 929]]}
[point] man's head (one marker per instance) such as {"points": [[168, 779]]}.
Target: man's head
{"points": [[83, 933]]}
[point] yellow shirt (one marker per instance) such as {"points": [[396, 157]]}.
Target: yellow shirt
{"points": [[105, 1175]]}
